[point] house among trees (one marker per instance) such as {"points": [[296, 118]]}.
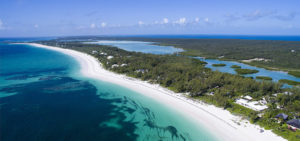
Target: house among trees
{"points": [[141, 70], [246, 101], [103, 53], [94, 52], [123, 65], [110, 57], [211, 93], [114, 66], [293, 124], [247, 97], [281, 117]]}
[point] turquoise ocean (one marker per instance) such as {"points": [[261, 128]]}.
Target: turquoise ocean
{"points": [[43, 96]]}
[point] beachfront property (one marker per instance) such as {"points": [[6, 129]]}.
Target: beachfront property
{"points": [[114, 65], [293, 124], [110, 57], [286, 93], [141, 70], [123, 65], [211, 93], [100, 53], [103, 53], [247, 97], [281, 117], [94, 52], [246, 101]]}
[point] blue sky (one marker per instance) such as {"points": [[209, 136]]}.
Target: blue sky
{"points": [[25, 18]]}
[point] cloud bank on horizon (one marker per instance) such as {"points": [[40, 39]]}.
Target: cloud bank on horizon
{"points": [[131, 17]]}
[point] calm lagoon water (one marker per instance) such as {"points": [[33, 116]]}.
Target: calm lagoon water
{"points": [[44, 98], [276, 75], [137, 46]]}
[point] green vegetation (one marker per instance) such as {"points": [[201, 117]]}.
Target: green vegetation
{"points": [[294, 73], [236, 67], [277, 52], [245, 71], [290, 82], [189, 75], [218, 65], [263, 78]]}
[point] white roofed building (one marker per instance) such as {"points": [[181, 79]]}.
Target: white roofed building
{"points": [[114, 65], [248, 97], [123, 65], [254, 105], [94, 52], [110, 57]]}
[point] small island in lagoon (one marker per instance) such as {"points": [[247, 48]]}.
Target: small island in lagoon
{"points": [[245, 71], [236, 67], [264, 78], [219, 65], [290, 82], [294, 73]]}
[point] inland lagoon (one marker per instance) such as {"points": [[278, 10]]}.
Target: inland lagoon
{"points": [[139, 46], [275, 75]]}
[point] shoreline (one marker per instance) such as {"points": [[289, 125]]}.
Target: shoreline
{"points": [[219, 122]]}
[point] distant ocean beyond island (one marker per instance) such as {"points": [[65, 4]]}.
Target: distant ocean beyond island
{"points": [[248, 37]]}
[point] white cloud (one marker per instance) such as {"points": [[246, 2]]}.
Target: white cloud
{"points": [[1, 25], [103, 24], [36, 26], [206, 20], [197, 19], [288, 17], [181, 21], [258, 15], [288, 26], [165, 21], [81, 27], [116, 25], [140, 23], [232, 17], [93, 25]]}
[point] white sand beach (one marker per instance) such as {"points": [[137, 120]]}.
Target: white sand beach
{"points": [[219, 122]]}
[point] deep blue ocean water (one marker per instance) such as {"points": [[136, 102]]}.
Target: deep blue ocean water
{"points": [[45, 98], [25, 39]]}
